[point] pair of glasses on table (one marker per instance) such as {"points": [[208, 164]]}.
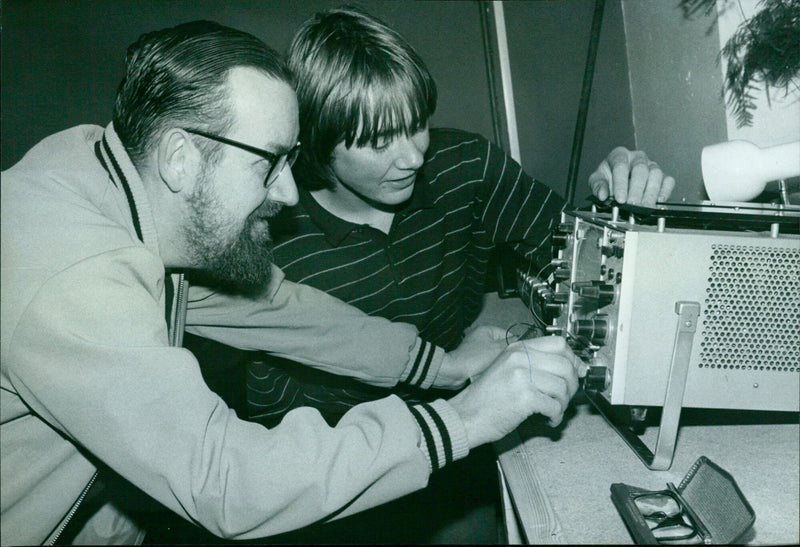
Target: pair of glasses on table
{"points": [[667, 518]]}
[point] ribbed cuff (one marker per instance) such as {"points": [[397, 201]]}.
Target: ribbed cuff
{"points": [[444, 439], [423, 365]]}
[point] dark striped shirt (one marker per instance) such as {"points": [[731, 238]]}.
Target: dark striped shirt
{"points": [[430, 269]]}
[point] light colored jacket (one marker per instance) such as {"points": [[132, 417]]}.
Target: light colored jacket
{"points": [[89, 372]]}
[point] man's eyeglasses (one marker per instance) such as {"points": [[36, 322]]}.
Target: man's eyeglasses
{"points": [[276, 162], [667, 518]]}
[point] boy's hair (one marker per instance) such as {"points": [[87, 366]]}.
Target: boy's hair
{"points": [[177, 77], [358, 81]]}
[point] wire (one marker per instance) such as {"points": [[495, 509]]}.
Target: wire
{"points": [[530, 365], [508, 330], [521, 341], [541, 321]]}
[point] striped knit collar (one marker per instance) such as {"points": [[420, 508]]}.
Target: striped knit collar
{"points": [[115, 160], [337, 229]]}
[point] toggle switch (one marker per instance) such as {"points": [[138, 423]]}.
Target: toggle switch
{"points": [[612, 251]]}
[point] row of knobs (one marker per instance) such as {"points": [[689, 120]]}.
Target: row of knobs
{"points": [[588, 334], [598, 293]]}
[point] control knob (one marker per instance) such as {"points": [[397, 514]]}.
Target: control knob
{"points": [[594, 330], [560, 236], [604, 293]]}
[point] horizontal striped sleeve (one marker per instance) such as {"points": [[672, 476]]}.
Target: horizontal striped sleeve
{"points": [[444, 439], [423, 365]]}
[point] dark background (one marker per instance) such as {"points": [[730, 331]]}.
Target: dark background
{"points": [[62, 60]]}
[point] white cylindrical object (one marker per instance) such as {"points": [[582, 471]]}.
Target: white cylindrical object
{"points": [[739, 170]]}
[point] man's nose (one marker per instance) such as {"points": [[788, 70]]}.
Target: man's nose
{"points": [[283, 189]]}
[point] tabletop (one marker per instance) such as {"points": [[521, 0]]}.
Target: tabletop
{"points": [[559, 479]]}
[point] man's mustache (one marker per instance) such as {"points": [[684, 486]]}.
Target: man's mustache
{"points": [[268, 209]]}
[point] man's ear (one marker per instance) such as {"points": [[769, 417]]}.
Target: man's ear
{"points": [[177, 159]]}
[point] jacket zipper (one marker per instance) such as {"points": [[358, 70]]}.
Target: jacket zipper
{"points": [[181, 300], [176, 339], [72, 511]]}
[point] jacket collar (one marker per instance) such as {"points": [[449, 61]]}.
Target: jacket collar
{"points": [[115, 160]]}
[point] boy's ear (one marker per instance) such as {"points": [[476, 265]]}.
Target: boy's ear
{"points": [[177, 159]]}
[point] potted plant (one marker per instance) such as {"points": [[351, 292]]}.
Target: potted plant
{"points": [[764, 50]]}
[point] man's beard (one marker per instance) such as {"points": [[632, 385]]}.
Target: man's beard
{"points": [[239, 264]]}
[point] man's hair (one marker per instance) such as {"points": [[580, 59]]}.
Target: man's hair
{"points": [[176, 77], [358, 81]]}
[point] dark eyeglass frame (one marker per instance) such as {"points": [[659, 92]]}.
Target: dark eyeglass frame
{"points": [[662, 520], [274, 159]]}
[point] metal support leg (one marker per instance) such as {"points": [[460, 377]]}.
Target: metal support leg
{"points": [[661, 459]]}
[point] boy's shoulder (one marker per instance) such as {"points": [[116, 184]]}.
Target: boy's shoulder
{"points": [[450, 143]]}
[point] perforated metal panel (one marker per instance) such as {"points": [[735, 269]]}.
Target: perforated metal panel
{"points": [[751, 316]]}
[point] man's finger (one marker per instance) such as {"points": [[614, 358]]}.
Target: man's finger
{"points": [[637, 177], [550, 408], [667, 186], [559, 362], [653, 189], [619, 161], [600, 181], [487, 332], [555, 345], [556, 366]]}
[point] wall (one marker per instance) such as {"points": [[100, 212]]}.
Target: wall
{"points": [[656, 82], [62, 61], [548, 43], [675, 88]]}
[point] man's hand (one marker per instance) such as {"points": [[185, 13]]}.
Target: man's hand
{"points": [[537, 376], [631, 178], [477, 351]]}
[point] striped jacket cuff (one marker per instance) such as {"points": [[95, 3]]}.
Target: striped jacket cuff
{"points": [[444, 439], [423, 365]]}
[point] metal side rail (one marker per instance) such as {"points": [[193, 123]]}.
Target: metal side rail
{"points": [[661, 458]]}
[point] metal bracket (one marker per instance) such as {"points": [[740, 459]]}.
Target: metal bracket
{"points": [[661, 458]]}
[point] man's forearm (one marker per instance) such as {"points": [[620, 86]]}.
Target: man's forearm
{"points": [[310, 326]]}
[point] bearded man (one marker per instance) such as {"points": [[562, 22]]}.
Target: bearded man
{"points": [[98, 400]]}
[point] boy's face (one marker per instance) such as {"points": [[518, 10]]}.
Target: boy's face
{"points": [[384, 174]]}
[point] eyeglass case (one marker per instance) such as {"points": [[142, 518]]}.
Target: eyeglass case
{"points": [[709, 495]]}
